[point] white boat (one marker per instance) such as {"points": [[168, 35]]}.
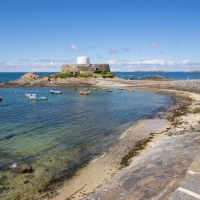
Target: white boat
{"points": [[30, 95], [38, 98], [1, 98], [55, 92]]}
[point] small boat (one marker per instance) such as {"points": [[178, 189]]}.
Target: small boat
{"points": [[94, 88], [120, 88], [1, 98], [86, 89], [104, 88], [55, 92], [38, 98], [84, 93], [130, 90], [30, 95], [109, 90]]}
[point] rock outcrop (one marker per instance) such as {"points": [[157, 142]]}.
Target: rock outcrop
{"points": [[21, 168]]}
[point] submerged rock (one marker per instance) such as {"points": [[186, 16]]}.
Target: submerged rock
{"points": [[21, 168], [9, 136]]}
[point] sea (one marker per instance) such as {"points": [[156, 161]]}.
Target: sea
{"points": [[9, 76], [60, 135]]}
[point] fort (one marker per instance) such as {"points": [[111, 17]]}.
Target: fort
{"points": [[84, 66]]}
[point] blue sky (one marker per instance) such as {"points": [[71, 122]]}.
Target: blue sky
{"points": [[42, 35]]}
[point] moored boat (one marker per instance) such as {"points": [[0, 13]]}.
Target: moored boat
{"points": [[84, 93], [55, 92], [30, 95], [130, 90], [120, 88], [1, 98], [38, 98]]}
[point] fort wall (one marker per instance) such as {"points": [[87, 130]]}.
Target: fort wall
{"points": [[89, 68]]}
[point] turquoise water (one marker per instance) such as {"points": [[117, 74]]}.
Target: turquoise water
{"points": [[60, 135]]}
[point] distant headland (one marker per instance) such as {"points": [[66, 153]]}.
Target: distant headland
{"points": [[150, 71]]}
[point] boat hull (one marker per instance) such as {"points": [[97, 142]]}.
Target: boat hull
{"points": [[38, 98], [55, 92], [84, 93]]}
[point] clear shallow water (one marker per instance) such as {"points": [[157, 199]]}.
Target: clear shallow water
{"points": [[60, 135]]}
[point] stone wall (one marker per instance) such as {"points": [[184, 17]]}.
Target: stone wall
{"points": [[89, 68]]}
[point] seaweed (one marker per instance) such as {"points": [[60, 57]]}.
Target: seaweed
{"points": [[140, 145]]}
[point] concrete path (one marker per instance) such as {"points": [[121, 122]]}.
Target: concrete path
{"points": [[158, 173]]}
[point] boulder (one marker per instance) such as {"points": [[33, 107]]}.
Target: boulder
{"points": [[29, 76], [22, 168]]}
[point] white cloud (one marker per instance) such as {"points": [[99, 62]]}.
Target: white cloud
{"points": [[112, 51], [24, 60], [74, 48], [99, 56], [154, 44], [156, 64], [126, 49], [184, 62], [46, 60], [36, 67]]}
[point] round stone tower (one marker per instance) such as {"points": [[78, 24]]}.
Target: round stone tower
{"points": [[83, 60]]}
